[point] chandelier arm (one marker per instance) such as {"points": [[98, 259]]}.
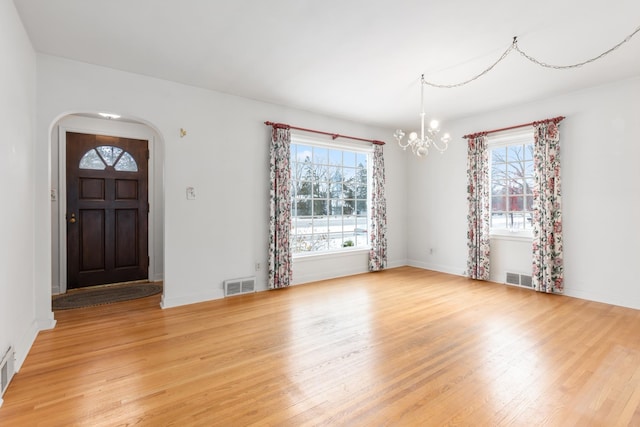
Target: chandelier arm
{"points": [[440, 148]]}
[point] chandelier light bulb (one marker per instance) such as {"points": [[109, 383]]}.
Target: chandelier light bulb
{"points": [[420, 144]]}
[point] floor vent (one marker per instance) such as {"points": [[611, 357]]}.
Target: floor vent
{"points": [[522, 280], [245, 285], [6, 369]]}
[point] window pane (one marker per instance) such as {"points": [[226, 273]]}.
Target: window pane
{"points": [[361, 160], [302, 243], [335, 190], [516, 203], [335, 157], [109, 153], [515, 187], [528, 152], [528, 186], [498, 203], [528, 169], [320, 243], [349, 207], [349, 158], [126, 163], [529, 205], [320, 156], [498, 155], [335, 207], [319, 208], [517, 220], [348, 174], [361, 207], [91, 160], [303, 207], [320, 226], [515, 169], [515, 153], [303, 153], [498, 220]]}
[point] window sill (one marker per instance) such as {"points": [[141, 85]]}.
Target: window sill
{"points": [[516, 237], [332, 254]]}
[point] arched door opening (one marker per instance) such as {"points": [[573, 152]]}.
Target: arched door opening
{"points": [[107, 220]]}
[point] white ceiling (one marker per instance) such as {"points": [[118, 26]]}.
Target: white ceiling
{"points": [[354, 59]]}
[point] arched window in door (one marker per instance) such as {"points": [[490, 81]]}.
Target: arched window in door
{"points": [[107, 155]]}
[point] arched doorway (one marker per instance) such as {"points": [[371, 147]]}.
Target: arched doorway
{"points": [[88, 123]]}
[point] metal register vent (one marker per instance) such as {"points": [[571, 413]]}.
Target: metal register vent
{"points": [[522, 280], [6, 369], [244, 285]]}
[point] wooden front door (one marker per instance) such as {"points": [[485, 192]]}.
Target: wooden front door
{"points": [[107, 210]]}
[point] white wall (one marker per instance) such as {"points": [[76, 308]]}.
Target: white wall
{"points": [[18, 323], [601, 194], [224, 232], [75, 123]]}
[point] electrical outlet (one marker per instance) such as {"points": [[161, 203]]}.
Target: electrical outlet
{"points": [[54, 195], [258, 266]]}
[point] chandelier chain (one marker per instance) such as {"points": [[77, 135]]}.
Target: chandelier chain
{"points": [[514, 46]]}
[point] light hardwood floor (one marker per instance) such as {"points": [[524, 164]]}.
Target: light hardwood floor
{"points": [[402, 347]]}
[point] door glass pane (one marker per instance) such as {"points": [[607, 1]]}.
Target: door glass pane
{"points": [[126, 163], [109, 153], [91, 160]]}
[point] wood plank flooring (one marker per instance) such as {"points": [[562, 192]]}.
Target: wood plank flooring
{"points": [[402, 347]]}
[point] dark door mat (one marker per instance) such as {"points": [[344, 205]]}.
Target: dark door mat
{"points": [[104, 295]]}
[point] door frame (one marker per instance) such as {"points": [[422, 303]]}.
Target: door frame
{"points": [[146, 134]]}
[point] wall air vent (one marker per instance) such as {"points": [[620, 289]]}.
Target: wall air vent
{"points": [[522, 280], [513, 279], [241, 286], [6, 369]]}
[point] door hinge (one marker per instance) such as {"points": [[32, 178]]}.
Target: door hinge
{"points": [[147, 154], [148, 208], [148, 261]]}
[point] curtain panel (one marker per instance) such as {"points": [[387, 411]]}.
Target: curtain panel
{"points": [[280, 257], [378, 236], [478, 196], [548, 266]]}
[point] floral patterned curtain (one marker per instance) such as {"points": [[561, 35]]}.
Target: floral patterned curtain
{"points": [[280, 263], [478, 201], [378, 236], [548, 269]]}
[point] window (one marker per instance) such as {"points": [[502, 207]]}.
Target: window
{"points": [[100, 157], [329, 185], [511, 160]]}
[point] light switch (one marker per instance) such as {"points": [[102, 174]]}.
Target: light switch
{"points": [[191, 193]]}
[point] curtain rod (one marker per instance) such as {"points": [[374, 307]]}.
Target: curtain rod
{"points": [[555, 120], [332, 135]]}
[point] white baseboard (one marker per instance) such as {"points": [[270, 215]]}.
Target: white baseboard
{"points": [[24, 344], [621, 301], [457, 271], [167, 302]]}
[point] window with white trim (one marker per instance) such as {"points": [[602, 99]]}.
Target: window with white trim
{"points": [[511, 181], [329, 194]]}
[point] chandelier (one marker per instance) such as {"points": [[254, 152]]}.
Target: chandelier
{"points": [[428, 137]]}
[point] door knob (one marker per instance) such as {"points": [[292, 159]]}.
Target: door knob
{"points": [[73, 218]]}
